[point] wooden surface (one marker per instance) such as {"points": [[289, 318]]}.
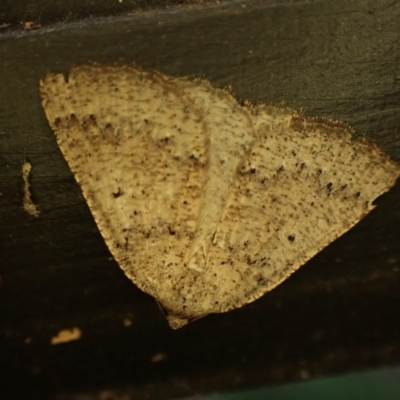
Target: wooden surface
{"points": [[14, 14], [339, 312]]}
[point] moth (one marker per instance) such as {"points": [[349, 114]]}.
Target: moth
{"points": [[205, 203]]}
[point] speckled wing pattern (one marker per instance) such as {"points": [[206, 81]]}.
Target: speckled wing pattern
{"points": [[207, 204]]}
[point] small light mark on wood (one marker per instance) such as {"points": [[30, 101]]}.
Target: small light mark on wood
{"points": [[128, 321], [29, 205], [66, 335], [158, 357]]}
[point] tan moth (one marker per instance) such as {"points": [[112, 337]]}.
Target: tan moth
{"points": [[207, 204]]}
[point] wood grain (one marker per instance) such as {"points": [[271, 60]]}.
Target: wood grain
{"points": [[340, 312]]}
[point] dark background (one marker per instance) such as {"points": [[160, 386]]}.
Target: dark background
{"points": [[338, 313]]}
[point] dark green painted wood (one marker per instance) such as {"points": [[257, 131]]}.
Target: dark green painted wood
{"points": [[14, 13], [340, 312]]}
